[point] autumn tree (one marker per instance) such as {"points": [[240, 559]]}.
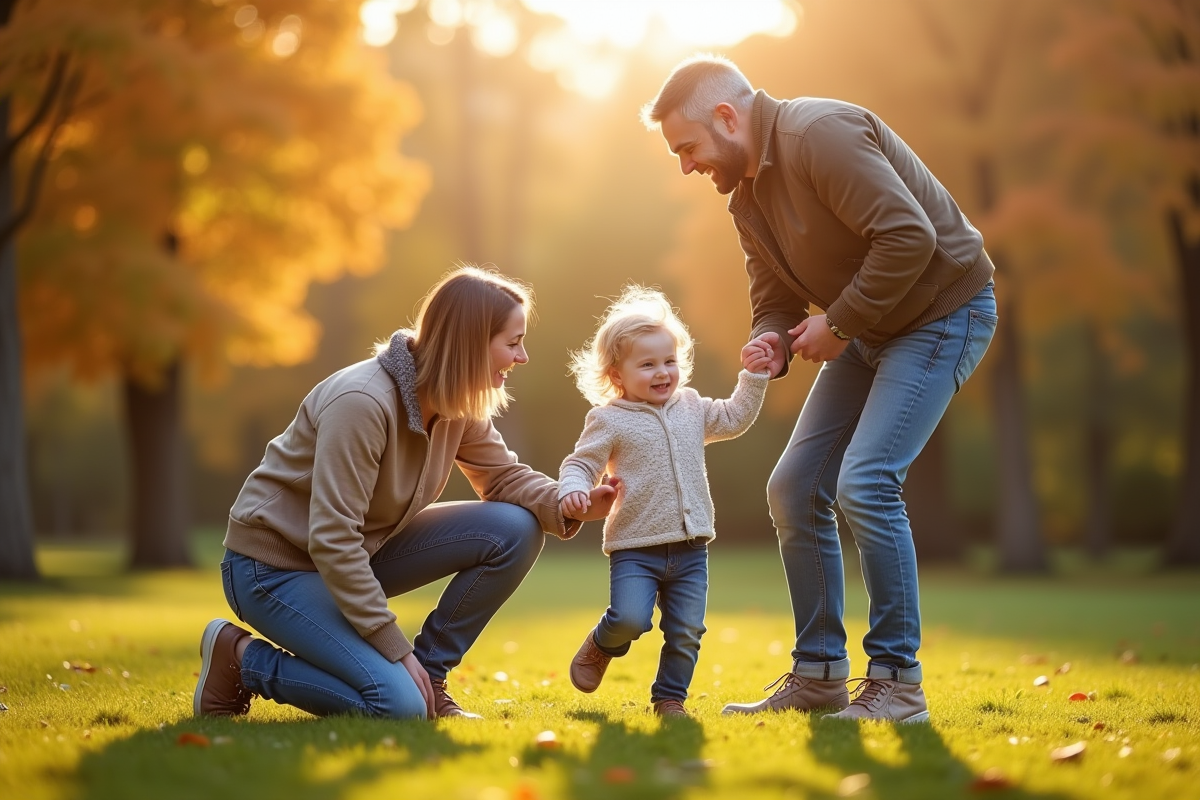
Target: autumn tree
{"points": [[218, 159], [1136, 141]]}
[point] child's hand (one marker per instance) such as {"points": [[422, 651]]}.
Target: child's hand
{"points": [[757, 356], [574, 505]]}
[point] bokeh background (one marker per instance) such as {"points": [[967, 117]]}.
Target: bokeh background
{"points": [[208, 206]]}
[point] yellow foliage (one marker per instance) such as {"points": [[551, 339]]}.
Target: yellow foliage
{"points": [[266, 142]]}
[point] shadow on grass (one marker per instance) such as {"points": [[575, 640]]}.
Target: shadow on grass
{"points": [[629, 763], [312, 759], [930, 769]]}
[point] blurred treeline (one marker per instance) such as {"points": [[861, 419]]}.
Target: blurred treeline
{"points": [[571, 194]]}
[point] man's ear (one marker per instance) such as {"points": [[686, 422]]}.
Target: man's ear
{"points": [[726, 116]]}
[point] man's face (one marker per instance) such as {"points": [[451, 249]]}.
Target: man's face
{"points": [[705, 149]]}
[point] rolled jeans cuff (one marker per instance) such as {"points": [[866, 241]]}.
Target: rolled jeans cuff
{"points": [[890, 672], [822, 670]]}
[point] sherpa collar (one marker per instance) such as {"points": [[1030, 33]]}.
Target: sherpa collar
{"points": [[399, 362]]}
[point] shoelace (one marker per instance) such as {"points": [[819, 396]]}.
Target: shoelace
{"points": [[241, 700], [866, 691], [446, 698], [787, 679]]}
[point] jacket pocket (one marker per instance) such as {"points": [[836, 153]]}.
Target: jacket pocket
{"points": [[227, 583], [981, 327]]}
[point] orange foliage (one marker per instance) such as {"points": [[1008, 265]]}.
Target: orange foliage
{"points": [[264, 138]]}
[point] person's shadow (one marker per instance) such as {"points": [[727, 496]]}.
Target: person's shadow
{"points": [[308, 759], [629, 763], [931, 770]]}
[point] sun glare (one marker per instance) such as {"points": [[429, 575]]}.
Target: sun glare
{"points": [[585, 48]]}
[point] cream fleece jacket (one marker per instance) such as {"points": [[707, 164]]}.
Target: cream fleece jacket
{"points": [[351, 472], [658, 452]]}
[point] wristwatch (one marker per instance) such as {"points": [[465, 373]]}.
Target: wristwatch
{"points": [[838, 332]]}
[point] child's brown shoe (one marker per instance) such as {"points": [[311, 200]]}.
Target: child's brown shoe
{"points": [[588, 666]]}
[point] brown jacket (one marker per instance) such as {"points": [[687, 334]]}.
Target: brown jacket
{"points": [[843, 215], [353, 469]]}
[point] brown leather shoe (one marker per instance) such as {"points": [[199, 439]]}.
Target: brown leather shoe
{"points": [[588, 665], [219, 692], [670, 708], [796, 693], [892, 701], [445, 705]]}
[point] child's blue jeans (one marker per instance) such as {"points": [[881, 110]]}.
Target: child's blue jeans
{"points": [[676, 575]]}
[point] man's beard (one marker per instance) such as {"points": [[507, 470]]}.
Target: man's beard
{"points": [[730, 164]]}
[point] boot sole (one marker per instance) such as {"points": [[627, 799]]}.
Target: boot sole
{"points": [[207, 642], [919, 717]]}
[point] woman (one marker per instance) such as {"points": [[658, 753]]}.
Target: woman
{"points": [[339, 516]]}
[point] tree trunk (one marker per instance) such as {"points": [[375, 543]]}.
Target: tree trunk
{"points": [[1097, 448], [1183, 543], [16, 518], [937, 533], [155, 418], [1018, 531]]}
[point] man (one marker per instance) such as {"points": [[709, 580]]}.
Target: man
{"points": [[835, 211]]}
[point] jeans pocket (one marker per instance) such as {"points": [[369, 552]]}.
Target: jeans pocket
{"points": [[227, 583], [981, 327]]}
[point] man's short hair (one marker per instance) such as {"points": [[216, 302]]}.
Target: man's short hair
{"points": [[696, 87]]}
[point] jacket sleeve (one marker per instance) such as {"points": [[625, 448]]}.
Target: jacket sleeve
{"points": [[351, 432], [582, 470], [496, 474], [773, 304], [841, 158], [728, 419]]}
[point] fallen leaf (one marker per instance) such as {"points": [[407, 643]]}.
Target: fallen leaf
{"points": [[853, 784], [1041, 680], [196, 739], [1064, 669], [1172, 754], [760, 724], [1124, 752], [222, 740], [1099, 726], [992, 778], [1077, 697], [619, 775], [501, 676], [1128, 657], [1031, 659], [1071, 752], [1092, 695], [524, 791], [547, 740]]}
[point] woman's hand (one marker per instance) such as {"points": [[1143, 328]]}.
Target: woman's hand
{"points": [[421, 679], [600, 500], [574, 504]]}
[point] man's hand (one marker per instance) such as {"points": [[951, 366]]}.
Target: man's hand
{"points": [[815, 342], [574, 504], [421, 679], [600, 500], [756, 356], [777, 356]]}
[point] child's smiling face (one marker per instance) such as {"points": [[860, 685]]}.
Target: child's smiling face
{"points": [[649, 372]]}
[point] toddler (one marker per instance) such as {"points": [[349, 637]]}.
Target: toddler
{"points": [[650, 429]]}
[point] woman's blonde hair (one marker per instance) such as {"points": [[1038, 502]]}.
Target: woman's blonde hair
{"points": [[453, 334], [637, 312]]}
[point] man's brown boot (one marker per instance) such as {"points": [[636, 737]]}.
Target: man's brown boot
{"points": [[670, 708], [588, 665], [797, 693], [893, 701], [219, 692], [445, 705]]}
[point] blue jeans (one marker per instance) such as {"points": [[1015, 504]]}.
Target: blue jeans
{"points": [[867, 417], [325, 666], [676, 575]]}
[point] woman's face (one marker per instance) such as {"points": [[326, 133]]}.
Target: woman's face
{"points": [[508, 347]]}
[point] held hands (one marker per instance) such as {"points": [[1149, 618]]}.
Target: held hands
{"points": [[594, 504], [758, 355], [815, 342]]}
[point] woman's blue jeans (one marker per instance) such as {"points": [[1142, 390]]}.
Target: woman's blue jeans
{"points": [[676, 576], [319, 662], [867, 417]]}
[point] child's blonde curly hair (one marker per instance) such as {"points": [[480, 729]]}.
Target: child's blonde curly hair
{"points": [[638, 311]]}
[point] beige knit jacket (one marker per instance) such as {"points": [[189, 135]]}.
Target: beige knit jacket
{"points": [[658, 452]]}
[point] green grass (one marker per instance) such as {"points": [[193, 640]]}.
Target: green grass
{"points": [[113, 732]]}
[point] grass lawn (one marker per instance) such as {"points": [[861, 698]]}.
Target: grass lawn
{"points": [[97, 670]]}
